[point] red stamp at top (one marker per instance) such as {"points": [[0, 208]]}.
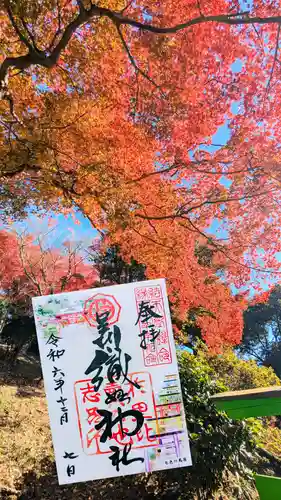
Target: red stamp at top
{"points": [[100, 304]]}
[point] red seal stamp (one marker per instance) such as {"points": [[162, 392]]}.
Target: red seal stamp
{"points": [[100, 304]]}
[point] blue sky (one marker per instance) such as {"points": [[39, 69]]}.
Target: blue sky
{"points": [[62, 228]]}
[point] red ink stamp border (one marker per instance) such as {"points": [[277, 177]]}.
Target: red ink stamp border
{"points": [[155, 287], [84, 447]]}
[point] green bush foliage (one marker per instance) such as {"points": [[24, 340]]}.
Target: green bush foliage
{"points": [[217, 442], [236, 373], [270, 439], [229, 372]]}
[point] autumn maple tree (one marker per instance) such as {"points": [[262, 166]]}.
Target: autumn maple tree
{"points": [[30, 266], [111, 108]]}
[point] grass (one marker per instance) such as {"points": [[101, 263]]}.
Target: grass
{"points": [[25, 438]]}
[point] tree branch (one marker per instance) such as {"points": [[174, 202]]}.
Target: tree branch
{"points": [[222, 249], [253, 353], [29, 274], [151, 174], [58, 31], [40, 58], [191, 167], [199, 8], [236, 19], [155, 242], [274, 61], [133, 62], [126, 7], [15, 26], [31, 36], [19, 170], [182, 211]]}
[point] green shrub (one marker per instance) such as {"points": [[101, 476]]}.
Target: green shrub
{"points": [[217, 442], [239, 374], [270, 439]]}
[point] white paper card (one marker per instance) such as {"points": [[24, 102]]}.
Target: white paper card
{"points": [[112, 382]]}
